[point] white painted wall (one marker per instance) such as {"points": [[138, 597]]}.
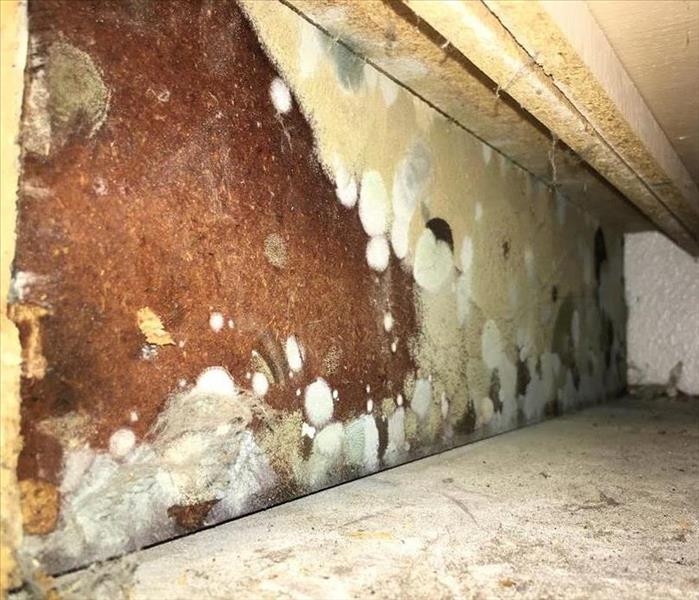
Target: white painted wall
{"points": [[662, 292]]}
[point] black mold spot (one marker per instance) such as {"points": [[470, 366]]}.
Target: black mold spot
{"points": [[576, 375], [562, 343], [382, 426], [506, 249], [494, 392], [552, 408], [607, 339], [554, 293], [523, 377], [441, 231], [467, 423], [600, 252]]}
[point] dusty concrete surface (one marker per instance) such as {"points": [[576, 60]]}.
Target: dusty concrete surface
{"points": [[600, 504]]}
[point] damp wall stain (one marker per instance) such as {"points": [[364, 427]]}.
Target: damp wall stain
{"points": [[259, 267]]}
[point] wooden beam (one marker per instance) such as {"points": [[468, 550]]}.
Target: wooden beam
{"points": [[460, 57], [573, 51], [397, 42]]}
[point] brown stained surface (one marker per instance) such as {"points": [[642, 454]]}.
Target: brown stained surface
{"points": [[191, 516], [168, 206]]}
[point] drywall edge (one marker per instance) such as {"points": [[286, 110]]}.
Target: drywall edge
{"points": [[13, 33]]}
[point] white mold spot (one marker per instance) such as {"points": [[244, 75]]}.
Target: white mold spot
{"points": [[361, 443], [394, 346], [216, 321], [310, 50], [371, 444], [529, 261], [260, 385], [466, 254], [373, 204], [77, 463], [328, 441], [478, 211], [387, 321], [347, 194], [487, 153], [231, 324], [400, 237], [444, 405], [370, 76], [399, 399], [377, 253], [308, 430], [345, 185], [336, 395], [223, 429], [133, 416], [216, 380], [396, 437], [280, 95], [121, 442], [318, 402], [369, 405], [486, 410], [294, 355], [422, 398], [389, 90], [433, 261]]}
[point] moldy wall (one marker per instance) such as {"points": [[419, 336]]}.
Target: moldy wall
{"points": [[250, 266]]}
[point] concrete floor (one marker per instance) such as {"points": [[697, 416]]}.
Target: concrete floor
{"points": [[600, 504]]}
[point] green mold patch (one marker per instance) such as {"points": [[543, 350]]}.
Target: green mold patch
{"points": [[78, 99]]}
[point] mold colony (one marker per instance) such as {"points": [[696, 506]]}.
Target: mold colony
{"points": [[339, 305]]}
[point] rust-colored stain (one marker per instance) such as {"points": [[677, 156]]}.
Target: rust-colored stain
{"points": [[191, 516], [171, 184]]}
